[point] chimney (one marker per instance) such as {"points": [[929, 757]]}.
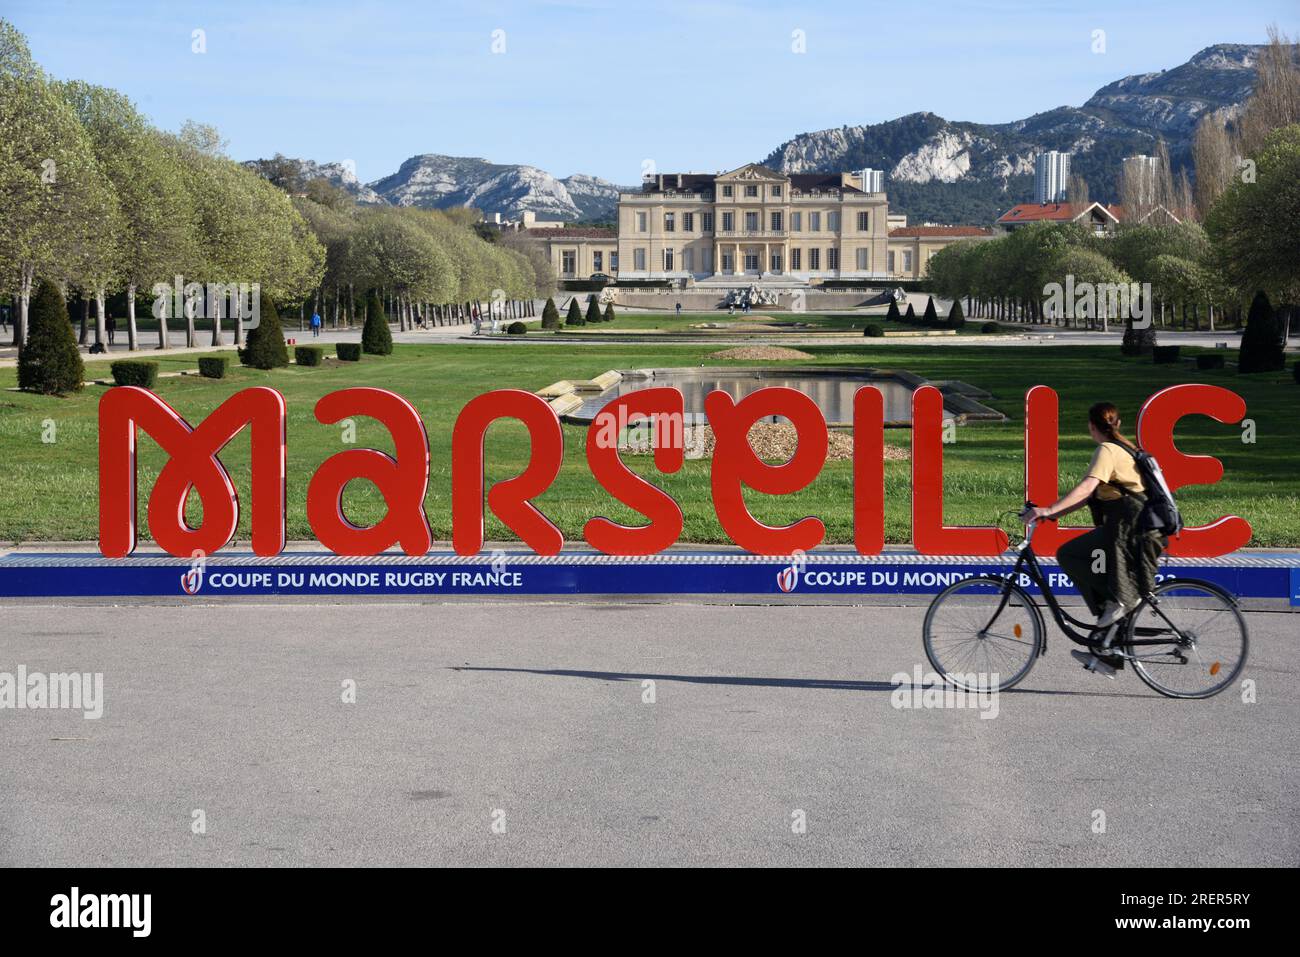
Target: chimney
{"points": [[679, 180]]}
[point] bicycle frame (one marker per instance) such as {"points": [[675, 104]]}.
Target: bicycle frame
{"points": [[1028, 561]]}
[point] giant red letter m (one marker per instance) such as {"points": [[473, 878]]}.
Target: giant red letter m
{"points": [[193, 464]]}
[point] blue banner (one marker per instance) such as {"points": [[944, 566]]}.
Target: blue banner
{"points": [[44, 575]]}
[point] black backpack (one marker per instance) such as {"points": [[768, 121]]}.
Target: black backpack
{"points": [[1160, 513]]}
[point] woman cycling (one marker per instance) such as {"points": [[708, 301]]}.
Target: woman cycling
{"points": [[1113, 565]]}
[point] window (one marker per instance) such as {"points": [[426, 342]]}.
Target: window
{"points": [[613, 262], [751, 222], [726, 191], [596, 260], [833, 222], [778, 222], [638, 259], [728, 222], [796, 222], [706, 255], [776, 192], [568, 261], [833, 258], [668, 260], [815, 222], [863, 223], [670, 222], [751, 262], [751, 190], [640, 222], [814, 259], [796, 259], [776, 262], [726, 262], [864, 259], [688, 222], [707, 219], [907, 260], [890, 259], [688, 260]]}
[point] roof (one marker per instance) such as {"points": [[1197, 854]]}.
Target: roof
{"points": [[921, 232], [1052, 212], [591, 232], [704, 182]]}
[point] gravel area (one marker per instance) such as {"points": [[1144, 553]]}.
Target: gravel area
{"points": [[760, 352], [773, 442]]}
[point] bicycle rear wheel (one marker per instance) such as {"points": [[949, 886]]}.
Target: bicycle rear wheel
{"points": [[982, 634], [1199, 639]]}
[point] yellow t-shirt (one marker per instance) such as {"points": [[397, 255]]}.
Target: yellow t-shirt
{"points": [[1111, 463]]}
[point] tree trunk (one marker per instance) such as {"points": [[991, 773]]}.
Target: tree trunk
{"points": [[132, 334], [85, 322], [25, 300], [162, 324]]}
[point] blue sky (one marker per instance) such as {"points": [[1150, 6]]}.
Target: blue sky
{"points": [[600, 87]]}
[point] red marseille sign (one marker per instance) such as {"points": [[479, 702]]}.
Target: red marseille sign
{"points": [[403, 478]]}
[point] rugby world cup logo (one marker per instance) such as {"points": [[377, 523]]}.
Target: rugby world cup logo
{"points": [[192, 577], [787, 579]]}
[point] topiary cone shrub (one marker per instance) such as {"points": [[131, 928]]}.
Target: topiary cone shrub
{"points": [[550, 315], [49, 362], [264, 346], [931, 316], [910, 315], [593, 310], [956, 315], [1261, 343], [609, 312], [893, 315], [575, 314], [376, 337]]}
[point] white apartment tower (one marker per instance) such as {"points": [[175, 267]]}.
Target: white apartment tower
{"points": [[1051, 177], [873, 181]]}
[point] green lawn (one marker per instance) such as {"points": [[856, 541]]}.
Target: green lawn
{"points": [[48, 491]]}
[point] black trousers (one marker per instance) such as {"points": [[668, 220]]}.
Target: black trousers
{"points": [[1114, 561]]}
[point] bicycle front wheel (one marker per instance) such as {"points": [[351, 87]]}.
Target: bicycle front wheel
{"points": [[1187, 639], [983, 634]]}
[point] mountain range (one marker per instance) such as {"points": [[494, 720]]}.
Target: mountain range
{"points": [[937, 170]]}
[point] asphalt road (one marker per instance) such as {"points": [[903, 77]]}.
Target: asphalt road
{"points": [[534, 717]]}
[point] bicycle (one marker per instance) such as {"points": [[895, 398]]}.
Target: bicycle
{"points": [[1185, 639]]}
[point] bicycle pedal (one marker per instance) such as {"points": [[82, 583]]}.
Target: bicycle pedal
{"points": [[1094, 664]]}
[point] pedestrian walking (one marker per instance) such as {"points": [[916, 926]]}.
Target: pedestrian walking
{"points": [[315, 324], [110, 326]]}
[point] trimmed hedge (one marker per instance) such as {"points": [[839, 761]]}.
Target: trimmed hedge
{"points": [[956, 316], [308, 355], [264, 346], [516, 329], [575, 314], [1295, 371], [893, 315], [50, 362], [873, 331], [348, 351], [1165, 355], [135, 372], [213, 367], [609, 312], [376, 337], [990, 327], [550, 315], [1261, 342], [1209, 362]]}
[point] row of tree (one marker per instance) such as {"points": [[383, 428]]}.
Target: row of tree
{"points": [[98, 201]]}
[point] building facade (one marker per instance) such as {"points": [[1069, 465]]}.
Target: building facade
{"points": [[752, 222]]}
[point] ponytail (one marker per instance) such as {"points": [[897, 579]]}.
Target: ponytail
{"points": [[1105, 418]]}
